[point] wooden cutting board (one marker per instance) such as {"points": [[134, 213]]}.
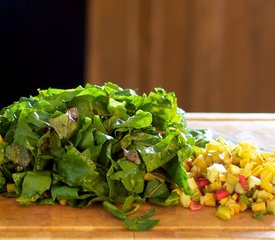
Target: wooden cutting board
{"points": [[63, 222]]}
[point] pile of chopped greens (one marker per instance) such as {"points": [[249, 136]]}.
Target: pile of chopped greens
{"points": [[96, 144]]}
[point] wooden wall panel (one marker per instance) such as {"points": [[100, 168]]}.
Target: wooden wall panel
{"points": [[107, 42], [216, 55]]}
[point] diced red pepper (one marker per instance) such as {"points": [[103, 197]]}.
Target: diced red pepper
{"points": [[243, 181], [195, 206], [202, 182], [221, 193]]}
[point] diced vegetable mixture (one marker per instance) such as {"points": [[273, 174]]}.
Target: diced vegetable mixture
{"points": [[233, 177], [111, 146]]}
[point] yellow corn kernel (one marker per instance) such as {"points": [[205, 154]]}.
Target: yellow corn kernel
{"points": [[266, 186], [267, 155], [208, 200], [223, 201], [264, 195], [233, 207], [266, 175], [212, 146], [249, 166], [200, 163], [212, 187], [196, 171], [228, 159], [270, 166], [218, 157], [246, 172], [235, 196], [248, 150], [234, 169], [243, 162], [242, 206], [198, 157], [257, 170], [200, 151], [258, 159], [208, 160], [258, 207], [222, 177]]}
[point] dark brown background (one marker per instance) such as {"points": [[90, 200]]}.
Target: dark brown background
{"points": [[217, 55]]}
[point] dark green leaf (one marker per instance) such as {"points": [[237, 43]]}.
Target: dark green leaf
{"points": [[64, 193], [34, 185], [66, 124], [156, 189], [114, 210], [131, 175], [80, 171], [160, 153], [142, 223]]}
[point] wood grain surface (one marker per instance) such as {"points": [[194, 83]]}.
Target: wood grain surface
{"points": [[217, 55], [63, 222]]}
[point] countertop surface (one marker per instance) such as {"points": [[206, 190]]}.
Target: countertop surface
{"points": [[63, 222]]}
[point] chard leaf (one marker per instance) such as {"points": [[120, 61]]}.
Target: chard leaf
{"points": [[116, 107], [18, 179], [132, 155], [87, 139], [160, 153], [114, 210], [117, 190], [98, 125], [24, 135], [56, 147], [131, 175], [140, 120], [34, 185], [84, 105], [64, 193], [163, 106], [83, 127], [156, 189], [66, 124], [131, 203], [80, 171], [38, 119], [98, 143], [18, 155], [171, 200], [142, 223]]}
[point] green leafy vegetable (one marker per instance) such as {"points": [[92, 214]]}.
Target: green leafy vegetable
{"points": [[97, 144], [142, 223], [34, 184]]}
